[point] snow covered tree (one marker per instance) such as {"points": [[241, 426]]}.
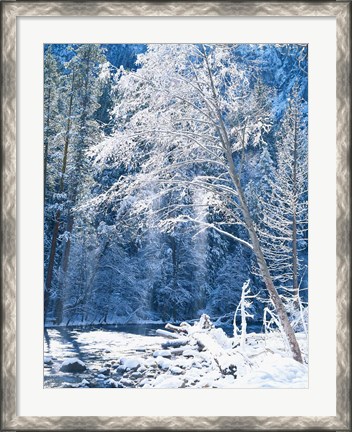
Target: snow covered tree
{"points": [[51, 108], [184, 115], [79, 130], [242, 309], [285, 208]]}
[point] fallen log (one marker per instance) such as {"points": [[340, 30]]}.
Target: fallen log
{"points": [[177, 329], [167, 334], [180, 351], [201, 337], [218, 354], [177, 343]]}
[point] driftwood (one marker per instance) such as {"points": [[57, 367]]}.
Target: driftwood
{"points": [[181, 329], [167, 334], [177, 343], [197, 339], [180, 351], [219, 355]]}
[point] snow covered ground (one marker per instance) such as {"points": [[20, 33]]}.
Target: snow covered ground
{"points": [[125, 360]]}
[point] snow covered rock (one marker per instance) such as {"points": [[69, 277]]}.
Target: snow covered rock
{"points": [[104, 371], [136, 375], [170, 382], [84, 383], [190, 353], [163, 363], [150, 373], [150, 363], [144, 382], [120, 369], [73, 365], [68, 385], [111, 383], [130, 363], [126, 382], [162, 353], [48, 361], [175, 370]]}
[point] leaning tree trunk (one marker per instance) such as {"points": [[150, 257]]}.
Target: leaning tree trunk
{"points": [[274, 296]]}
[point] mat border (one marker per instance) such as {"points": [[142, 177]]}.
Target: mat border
{"points": [[10, 10]]}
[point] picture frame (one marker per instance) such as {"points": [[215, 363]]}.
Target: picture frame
{"points": [[10, 11]]}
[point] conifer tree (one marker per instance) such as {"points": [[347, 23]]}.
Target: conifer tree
{"points": [[285, 206], [80, 102]]}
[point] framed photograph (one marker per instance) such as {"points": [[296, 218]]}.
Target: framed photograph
{"points": [[176, 215]]}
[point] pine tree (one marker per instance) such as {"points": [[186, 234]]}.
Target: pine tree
{"points": [[79, 104], [285, 207], [51, 108]]}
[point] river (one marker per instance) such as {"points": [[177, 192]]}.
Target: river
{"points": [[100, 348]]}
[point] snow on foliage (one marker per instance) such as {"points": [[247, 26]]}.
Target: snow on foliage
{"points": [[171, 182]]}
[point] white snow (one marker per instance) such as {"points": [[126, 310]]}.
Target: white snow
{"points": [[175, 370], [162, 353], [163, 363], [111, 383], [171, 382], [131, 363], [263, 364], [71, 361]]}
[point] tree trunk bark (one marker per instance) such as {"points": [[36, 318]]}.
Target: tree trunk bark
{"points": [[63, 272], [49, 276]]}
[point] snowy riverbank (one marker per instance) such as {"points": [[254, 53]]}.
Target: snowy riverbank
{"points": [[205, 358]]}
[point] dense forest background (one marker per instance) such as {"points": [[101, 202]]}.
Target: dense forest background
{"points": [[120, 246]]}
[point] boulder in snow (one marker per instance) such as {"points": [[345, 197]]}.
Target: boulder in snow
{"points": [[136, 375], [111, 383], [190, 353], [130, 363], [84, 383], [170, 382], [162, 353], [73, 365], [48, 361], [175, 370], [101, 377], [126, 382], [163, 363], [104, 371]]}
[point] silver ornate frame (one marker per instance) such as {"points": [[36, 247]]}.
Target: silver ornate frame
{"points": [[9, 11]]}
